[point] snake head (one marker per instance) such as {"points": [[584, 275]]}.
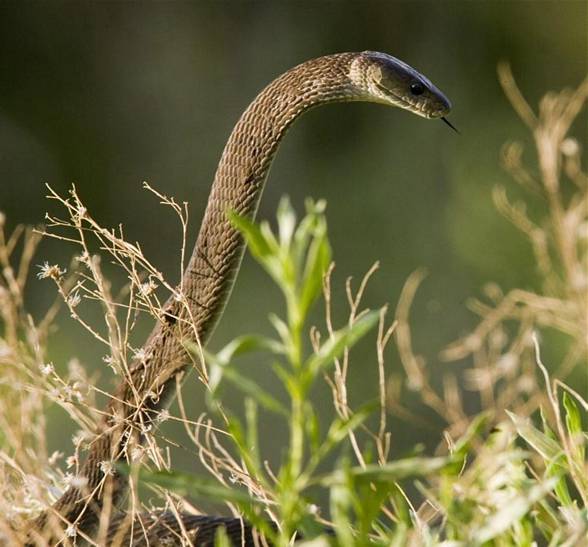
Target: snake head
{"points": [[385, 79]]}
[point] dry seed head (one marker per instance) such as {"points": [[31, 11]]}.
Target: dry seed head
{"points": [[140, 355], [75, 481], [137, 453], [80, 436], [106, 467], [163, 416], [54, 457], [570, 147], [74, 299], [47, 369], [52, 271], [146, 289]]}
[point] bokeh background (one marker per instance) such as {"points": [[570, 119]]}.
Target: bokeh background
{"points": [[106, 95]]}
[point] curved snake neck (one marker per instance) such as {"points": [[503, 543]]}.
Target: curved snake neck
{"points": [[207, 281]]}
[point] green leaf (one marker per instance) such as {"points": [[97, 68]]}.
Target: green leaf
{"points": [[221, 539], [249, 387], [340, 427], [388, 473], [281, 328], [547, 447], [312, 427], [343, 338], [262, 245], [259, 247], [317, 262], [306, 229], [252, 431], [338, 430], [239, 437], [574, 427], [220, 367], [320, 541], [513, 510], [246, 344], [545, 424], [301, 238], [315, 207], [222, 359], [286, 222], [186, 484], [341, 502], [573, 419], [554, 469]]}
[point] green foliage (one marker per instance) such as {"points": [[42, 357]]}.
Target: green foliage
{"points": [[508, 487], [198, 487]]}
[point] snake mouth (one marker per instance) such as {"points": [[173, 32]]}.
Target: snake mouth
{"points": [[404, 103], [415, 108]]}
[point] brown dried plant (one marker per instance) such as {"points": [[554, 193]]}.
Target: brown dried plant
{"points": [[504, 367]]}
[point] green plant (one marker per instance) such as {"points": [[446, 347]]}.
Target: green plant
{"points": [[297, 258], [507, 487]]}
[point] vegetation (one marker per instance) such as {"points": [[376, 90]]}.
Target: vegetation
{"points": [[514, 472]]}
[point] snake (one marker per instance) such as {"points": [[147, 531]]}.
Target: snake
{"points": [[195, 309]]}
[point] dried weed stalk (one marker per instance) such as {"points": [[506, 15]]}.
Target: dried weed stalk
{"points": [[30, 477], [504, 371]]}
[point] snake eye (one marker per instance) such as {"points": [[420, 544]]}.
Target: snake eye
{"points": [[417, 88]]}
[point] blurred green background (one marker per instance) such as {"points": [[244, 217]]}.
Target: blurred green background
{"points": [[106, 95]]}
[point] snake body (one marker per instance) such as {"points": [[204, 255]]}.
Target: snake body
{"points": [[209, 276]]}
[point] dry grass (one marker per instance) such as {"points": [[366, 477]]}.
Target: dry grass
{"points": [[504, 370]]}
